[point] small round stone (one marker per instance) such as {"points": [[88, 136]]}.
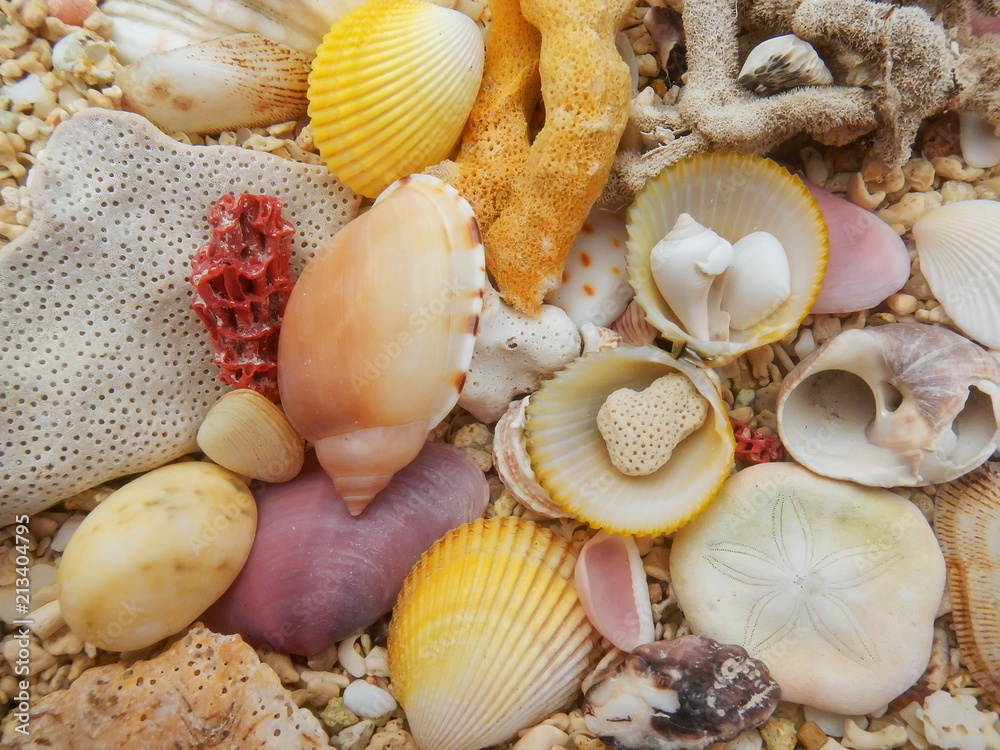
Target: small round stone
{"points": [[368, 701]]}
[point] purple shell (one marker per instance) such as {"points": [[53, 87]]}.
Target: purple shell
{"points": [[317, 574], [686, 693]]}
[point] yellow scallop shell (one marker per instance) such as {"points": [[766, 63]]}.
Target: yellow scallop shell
{"points": [[391, 87], [570, 459], [733, 195], [488, 635]]}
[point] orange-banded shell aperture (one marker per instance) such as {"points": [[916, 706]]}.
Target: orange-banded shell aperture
{"points": [[379, 332]]}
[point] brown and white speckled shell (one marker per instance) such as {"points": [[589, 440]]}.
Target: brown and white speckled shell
{"points": [[967, 523]]}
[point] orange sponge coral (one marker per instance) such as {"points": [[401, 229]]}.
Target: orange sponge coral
{"points": [[531, 198]]}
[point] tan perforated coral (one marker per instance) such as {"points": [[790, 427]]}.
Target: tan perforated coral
{"points": [[206, 690], [106, 369], [642, 428]]}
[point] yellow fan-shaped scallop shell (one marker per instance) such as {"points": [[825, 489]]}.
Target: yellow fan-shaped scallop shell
{"points": [[733, 195], [391, 87], [570, 459], [488, 635]]}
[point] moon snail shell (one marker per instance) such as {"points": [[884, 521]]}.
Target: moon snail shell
{"points": [[379, 331]]}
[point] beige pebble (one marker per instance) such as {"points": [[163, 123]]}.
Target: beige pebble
{"points": [[838, 182], [766, 419], [392, 738], [953, 168], [859, 194], [988, 189], [322, 687], [64, 642], [642, 42], [647, 64], [778, 734], [584, 742], [759, 359], [815, 165], [954, 191], [29, 13], [38, 658], [743, 414], [281, 664], [825, 327], [541, 737], [902, 304], [904, 214], [920, 174], [46, 620], [917, 286], [767, 397], [657, 563]]}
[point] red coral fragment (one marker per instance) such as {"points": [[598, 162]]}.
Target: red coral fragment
{"points": [[242, 284], [753, 447]]}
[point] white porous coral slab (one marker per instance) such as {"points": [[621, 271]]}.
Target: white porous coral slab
{"points": [[106, 369]]}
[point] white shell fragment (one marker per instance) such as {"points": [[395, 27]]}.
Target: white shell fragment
{"points": [[97, 304], [368, 701], [810, 575], [979, 140], [903, 404], [959, 249], [513, 464], [782, 63], [241, 81]]}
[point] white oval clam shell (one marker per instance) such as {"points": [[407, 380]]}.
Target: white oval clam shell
{"points": [[959, 249], [979, 141]]}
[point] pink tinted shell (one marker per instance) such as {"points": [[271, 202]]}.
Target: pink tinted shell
{"points": [[611, 585]]}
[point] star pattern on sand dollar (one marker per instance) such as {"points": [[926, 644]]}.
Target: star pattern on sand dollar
{"points": [[803, 583]]}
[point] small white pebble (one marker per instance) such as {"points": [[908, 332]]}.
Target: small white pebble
{"points": [[62, 537], [368, 701], [541, 737], [902, 304], [350, 659]]}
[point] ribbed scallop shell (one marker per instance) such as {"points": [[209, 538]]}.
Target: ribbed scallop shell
{"points": [[967, 523], [959, 249], [379, 331], [570, 459], [733, 195], [488, 635], [392, 85], [247, 434]]}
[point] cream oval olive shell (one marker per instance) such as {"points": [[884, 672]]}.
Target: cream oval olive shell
{"points": [[155, 555], [247, 434]]}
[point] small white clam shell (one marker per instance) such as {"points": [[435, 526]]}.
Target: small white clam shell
{"points": [[979, 140], [757, 283], [247, 434], [959, 249], [238, 81], [782, 63], [903, 404]]}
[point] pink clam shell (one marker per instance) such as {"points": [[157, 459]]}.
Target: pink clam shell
{"points": [[868, 261]]}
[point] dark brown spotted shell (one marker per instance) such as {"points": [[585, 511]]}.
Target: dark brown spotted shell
{"points": [[682, 694]]}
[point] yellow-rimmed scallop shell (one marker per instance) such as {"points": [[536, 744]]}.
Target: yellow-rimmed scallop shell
{"points": [[734, 196], [391, 87], [571, 460], [488, 635]]}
